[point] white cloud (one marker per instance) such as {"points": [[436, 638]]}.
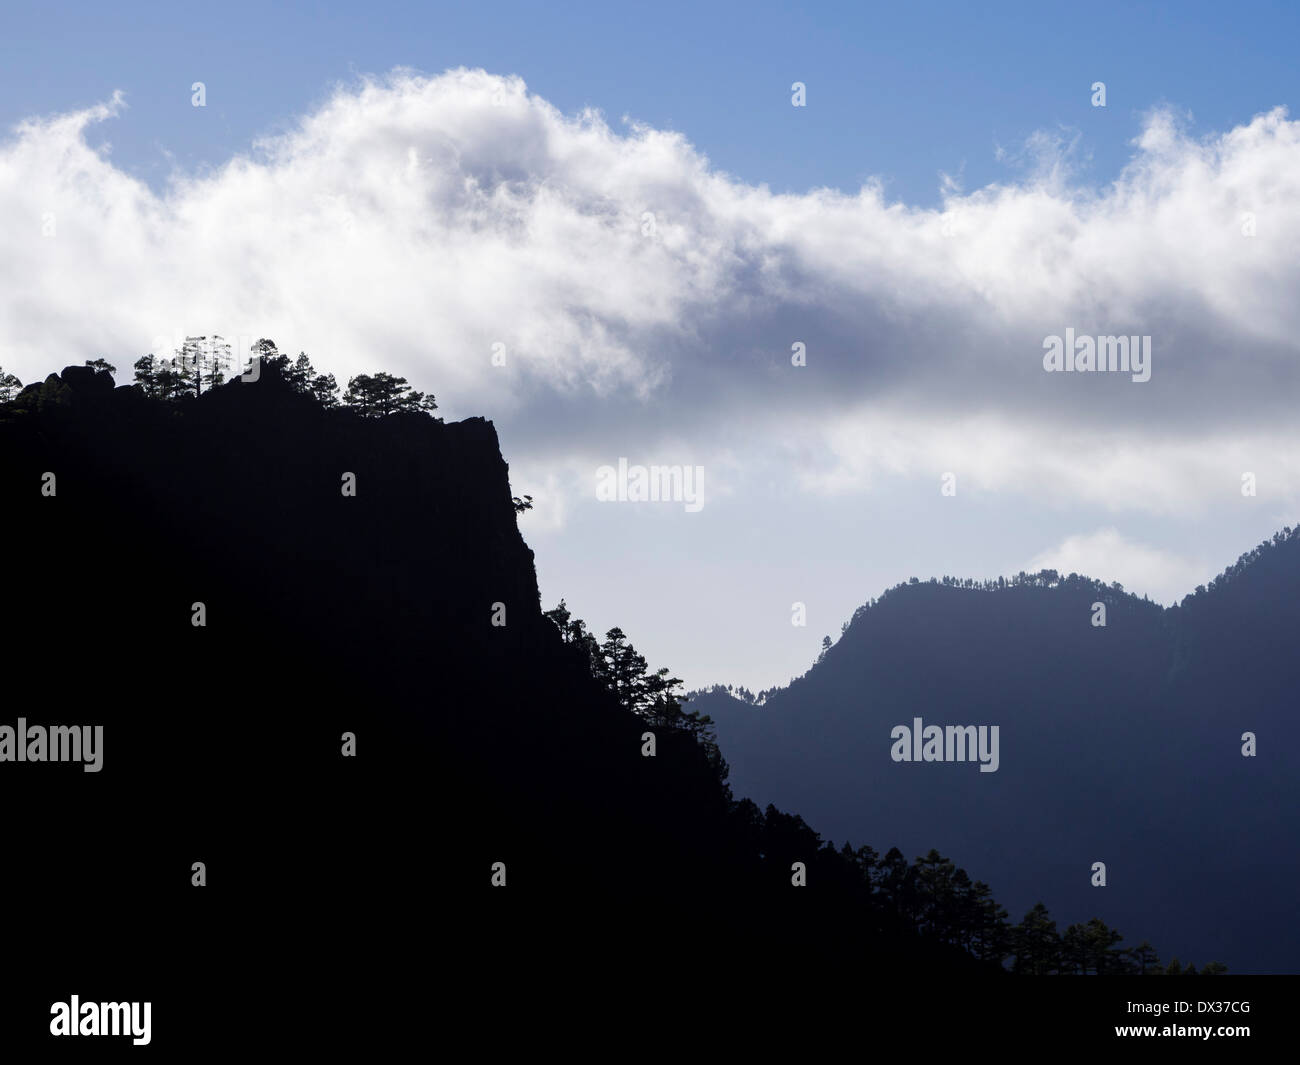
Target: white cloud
{"points": [[410, 223], [1052, 463], [1106, 555]]}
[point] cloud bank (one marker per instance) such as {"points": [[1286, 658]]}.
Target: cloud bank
{"points": [[647, 303]]}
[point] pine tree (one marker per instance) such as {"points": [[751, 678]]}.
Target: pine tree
{"points": [[1099, 948], [202, 361], [1144, 959], [172, 379], [325, 390], [301, 373], [146, 375], [263, 352], [624, 670], [10, 386], [896, 886], [935, 892], [993, 938], [1037, 944], [381, 394]]}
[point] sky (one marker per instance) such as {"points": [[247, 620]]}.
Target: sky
{"points": [[609, 231]]}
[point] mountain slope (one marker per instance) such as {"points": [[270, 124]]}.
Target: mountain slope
{"points": [[328, 614], [1119, 744]]}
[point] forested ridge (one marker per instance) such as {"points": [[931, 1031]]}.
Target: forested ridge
{"points": [[1158, 740]]}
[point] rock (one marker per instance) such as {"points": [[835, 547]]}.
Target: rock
{"points": [[87, 381]]}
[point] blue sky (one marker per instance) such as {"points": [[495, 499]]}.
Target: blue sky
{"points": [[410, 221], [903, 92]]}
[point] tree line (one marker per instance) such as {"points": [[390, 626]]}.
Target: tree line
{"points": [[935, 900], [931, 898], [205, 362], [655, 696], [941, 901]]}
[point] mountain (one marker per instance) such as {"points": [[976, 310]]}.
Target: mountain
{"points": [[326, 613], [1120, 744]]}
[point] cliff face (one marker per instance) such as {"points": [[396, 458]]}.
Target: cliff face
{"points": [[244, 488], [323, 613]]}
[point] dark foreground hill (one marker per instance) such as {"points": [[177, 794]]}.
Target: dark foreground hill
{"points": [[1120, 744], [328, 614]]}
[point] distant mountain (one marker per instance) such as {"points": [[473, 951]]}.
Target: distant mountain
{"points": [[1119, 744]]}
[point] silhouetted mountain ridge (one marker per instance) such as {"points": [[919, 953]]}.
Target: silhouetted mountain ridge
{"points": [[372, 613], [1120, 744]]}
